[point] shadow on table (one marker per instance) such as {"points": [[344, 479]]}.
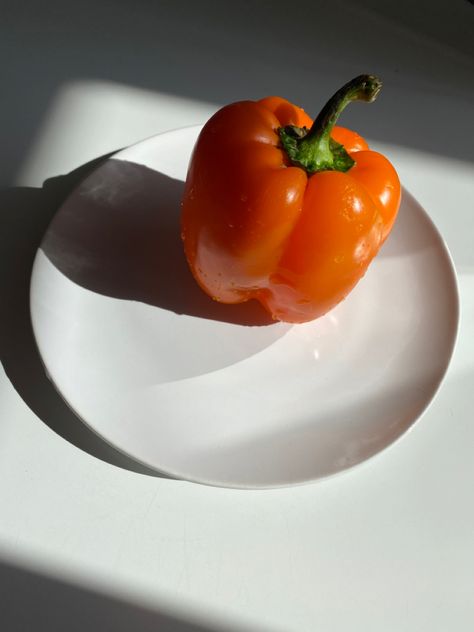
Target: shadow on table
{"points": [[33, 601]]}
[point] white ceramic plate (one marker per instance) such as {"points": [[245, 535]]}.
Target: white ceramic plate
{"points": [[215, 393]]}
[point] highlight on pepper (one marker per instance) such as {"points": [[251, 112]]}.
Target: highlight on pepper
{"points": [[285, 210]]}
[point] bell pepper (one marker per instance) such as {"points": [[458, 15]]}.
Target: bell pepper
{"points": [[285, 210]]}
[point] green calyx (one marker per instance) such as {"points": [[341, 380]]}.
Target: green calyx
{"points": [[314, 150]]}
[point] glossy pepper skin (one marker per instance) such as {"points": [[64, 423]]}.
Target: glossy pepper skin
{"points": [[284, 215]]}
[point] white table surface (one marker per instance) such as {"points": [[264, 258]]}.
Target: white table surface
{"points": [[90, 541]]}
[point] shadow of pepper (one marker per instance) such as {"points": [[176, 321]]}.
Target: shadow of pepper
{"points": [[118, 235]]}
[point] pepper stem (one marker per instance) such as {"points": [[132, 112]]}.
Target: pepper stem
{"points": [[315, 150]]}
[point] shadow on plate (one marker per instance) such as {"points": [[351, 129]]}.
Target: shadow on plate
{"points": [[25, 214], [118, 235]]}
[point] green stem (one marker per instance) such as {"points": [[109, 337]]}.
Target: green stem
{"points": [[316, 150]]}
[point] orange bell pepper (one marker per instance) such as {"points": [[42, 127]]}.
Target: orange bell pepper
{"points": [[284, 210]]}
